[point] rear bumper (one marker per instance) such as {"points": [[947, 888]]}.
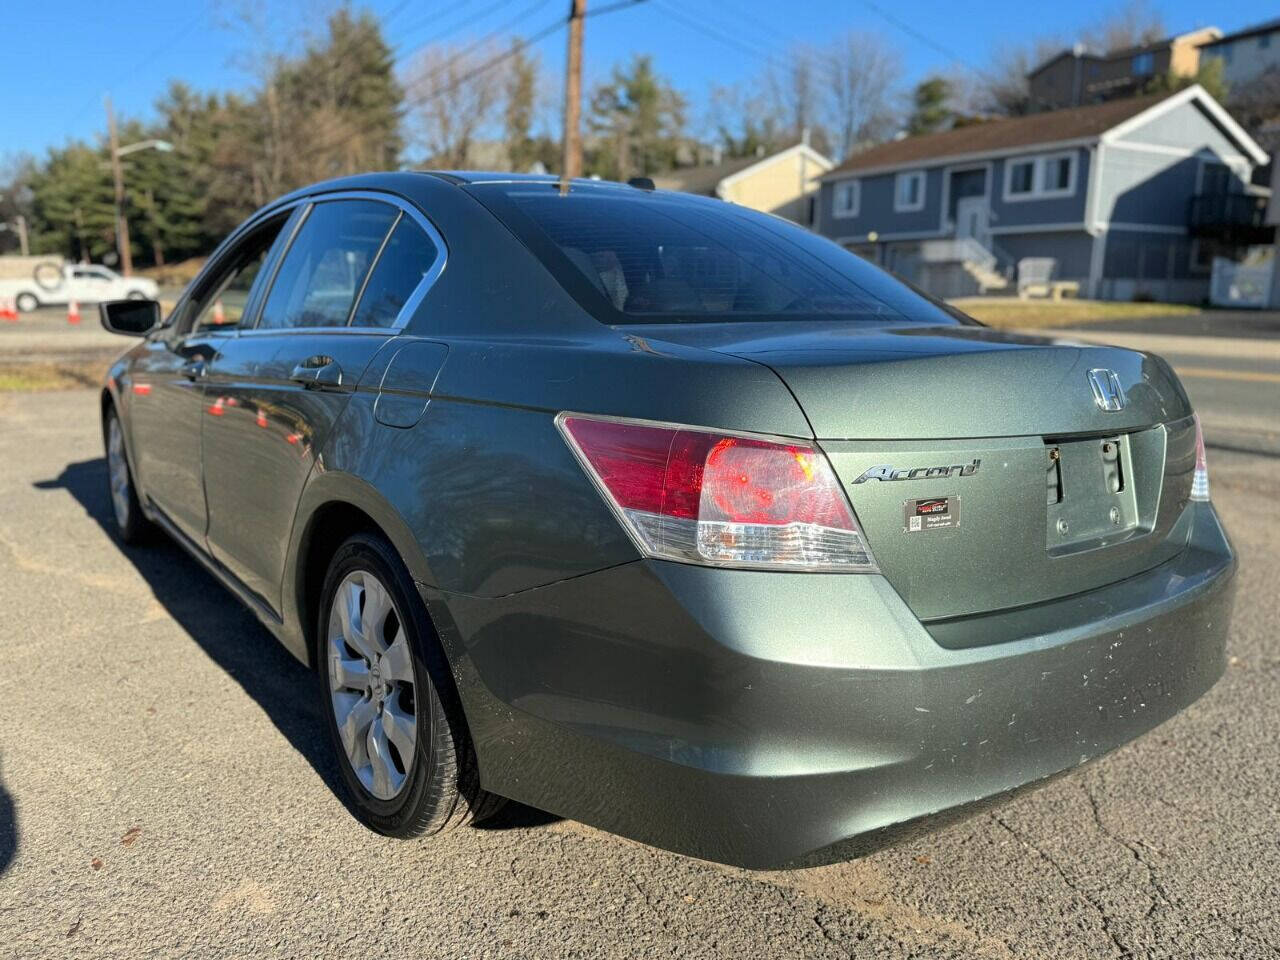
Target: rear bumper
{"points": [[765, 719]]}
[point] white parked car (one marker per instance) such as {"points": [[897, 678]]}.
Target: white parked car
{"points": [[84, 283]]}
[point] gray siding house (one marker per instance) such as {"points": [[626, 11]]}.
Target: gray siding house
{"points": [[1130, 198]]}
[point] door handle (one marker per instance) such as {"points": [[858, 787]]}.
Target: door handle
{"points": [[317, 372], [193, 369]]}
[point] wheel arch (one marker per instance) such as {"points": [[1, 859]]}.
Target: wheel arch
{"points": [[333, 508]]}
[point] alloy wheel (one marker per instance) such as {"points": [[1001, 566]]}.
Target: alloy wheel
{"points": [[118, 472], [371, 684]]}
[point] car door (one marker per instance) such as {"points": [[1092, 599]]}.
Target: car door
{"points": [[279, 387], [166, 396]]}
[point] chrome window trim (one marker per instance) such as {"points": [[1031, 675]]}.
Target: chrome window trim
{"points": [[424, 286]]}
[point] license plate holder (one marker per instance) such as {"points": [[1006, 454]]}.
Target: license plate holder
{"points": [[1090, 492]]}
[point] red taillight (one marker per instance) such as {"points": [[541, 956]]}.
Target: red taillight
{"points": [[142, 389], [723, 499], [1200, 479]]}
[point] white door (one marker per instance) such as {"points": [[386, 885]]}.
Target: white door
{"points": [[973, 219]]}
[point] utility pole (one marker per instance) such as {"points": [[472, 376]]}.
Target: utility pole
{"points": [[122, 224], [571, 165]]}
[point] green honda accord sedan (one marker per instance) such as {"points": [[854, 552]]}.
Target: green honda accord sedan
{"points": [[665, 515]]}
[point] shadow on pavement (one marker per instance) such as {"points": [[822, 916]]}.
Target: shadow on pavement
{"points": [[233, 638], [8, 830]]}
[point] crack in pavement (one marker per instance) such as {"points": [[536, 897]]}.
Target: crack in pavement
{"points": [[1103, 917], [1160, 897]]}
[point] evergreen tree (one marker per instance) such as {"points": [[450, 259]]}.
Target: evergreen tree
{"points": [[931, 106], [640, 120]]}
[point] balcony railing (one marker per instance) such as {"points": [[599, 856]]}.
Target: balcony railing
{"points": [[1232, 217]]}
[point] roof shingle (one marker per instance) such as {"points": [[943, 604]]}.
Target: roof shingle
{"points": [[1038, 128]]}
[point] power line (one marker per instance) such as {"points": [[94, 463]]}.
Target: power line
{"points": [[403, 110], [717, 35], [929, 42], [483, 40], [519, 46], [450, 30]]}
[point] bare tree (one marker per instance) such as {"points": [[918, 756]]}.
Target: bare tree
{"points": [[861, 75], [743, 121], [1134, 24], [794, 91], [453, 97], [1003, 88]]}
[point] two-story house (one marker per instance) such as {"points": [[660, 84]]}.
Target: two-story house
{"points": [[1077, 76], [1246, 54], [1130, 198]]}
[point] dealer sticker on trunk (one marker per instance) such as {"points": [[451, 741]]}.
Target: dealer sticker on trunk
{"points": [[932, 513]]}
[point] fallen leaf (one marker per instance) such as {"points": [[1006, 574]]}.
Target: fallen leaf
{"points": [[130, 835], [924, 858], [96, 863], [151, 711]]}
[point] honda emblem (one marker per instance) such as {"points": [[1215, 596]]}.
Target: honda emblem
{"points": [[1107, 392]]}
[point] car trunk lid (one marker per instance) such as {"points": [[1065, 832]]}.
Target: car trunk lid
{"points": [[982, 465]]}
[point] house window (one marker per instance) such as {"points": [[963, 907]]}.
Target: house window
{"points": [[847, 195], [1264, 41], [908, 191], [1038, 178], [1144, 64], [1022, 176], [1057, 174]]}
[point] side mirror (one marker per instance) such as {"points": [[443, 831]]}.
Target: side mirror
{"points": [[133, 318]]}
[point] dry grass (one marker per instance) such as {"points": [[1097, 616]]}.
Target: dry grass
{"points": [[1011, 313], [30, 377]]}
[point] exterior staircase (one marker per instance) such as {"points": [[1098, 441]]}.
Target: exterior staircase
{"points": [[960, 267]]}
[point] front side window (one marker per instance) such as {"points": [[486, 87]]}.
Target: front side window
{"points": [[220, 300], [909, 191], [325, 266], [846, 198], [631, 256], [1144, 64]]}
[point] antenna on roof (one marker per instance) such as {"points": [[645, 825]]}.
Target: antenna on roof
{"points": [[641, 183]]}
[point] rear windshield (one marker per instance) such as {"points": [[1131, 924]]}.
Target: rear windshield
{"points": [[635, 256]]}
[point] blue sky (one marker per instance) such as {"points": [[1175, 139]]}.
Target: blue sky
{"points": [[74, 51]]}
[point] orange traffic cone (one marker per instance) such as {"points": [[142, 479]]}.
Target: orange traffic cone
{"points": [[73, 312], [8, 310], [219, 317]]}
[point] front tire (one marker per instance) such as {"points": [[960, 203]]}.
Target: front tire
{"points": [[390, 705], [131, 524], [26, 302]]}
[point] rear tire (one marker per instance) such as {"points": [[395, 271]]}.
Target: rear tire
{"points": [[132, 526], [382, 666]]}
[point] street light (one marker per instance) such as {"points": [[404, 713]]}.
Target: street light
{"points": [[117, 151]]}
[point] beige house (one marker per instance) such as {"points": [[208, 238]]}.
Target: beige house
{"points": [[782, 183]]}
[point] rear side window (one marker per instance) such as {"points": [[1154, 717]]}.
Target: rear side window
{"points": [[404, 261], [632, 256], [326, 265]]}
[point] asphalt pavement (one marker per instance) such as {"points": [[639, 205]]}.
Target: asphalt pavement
{"points": [[166, 790]]}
